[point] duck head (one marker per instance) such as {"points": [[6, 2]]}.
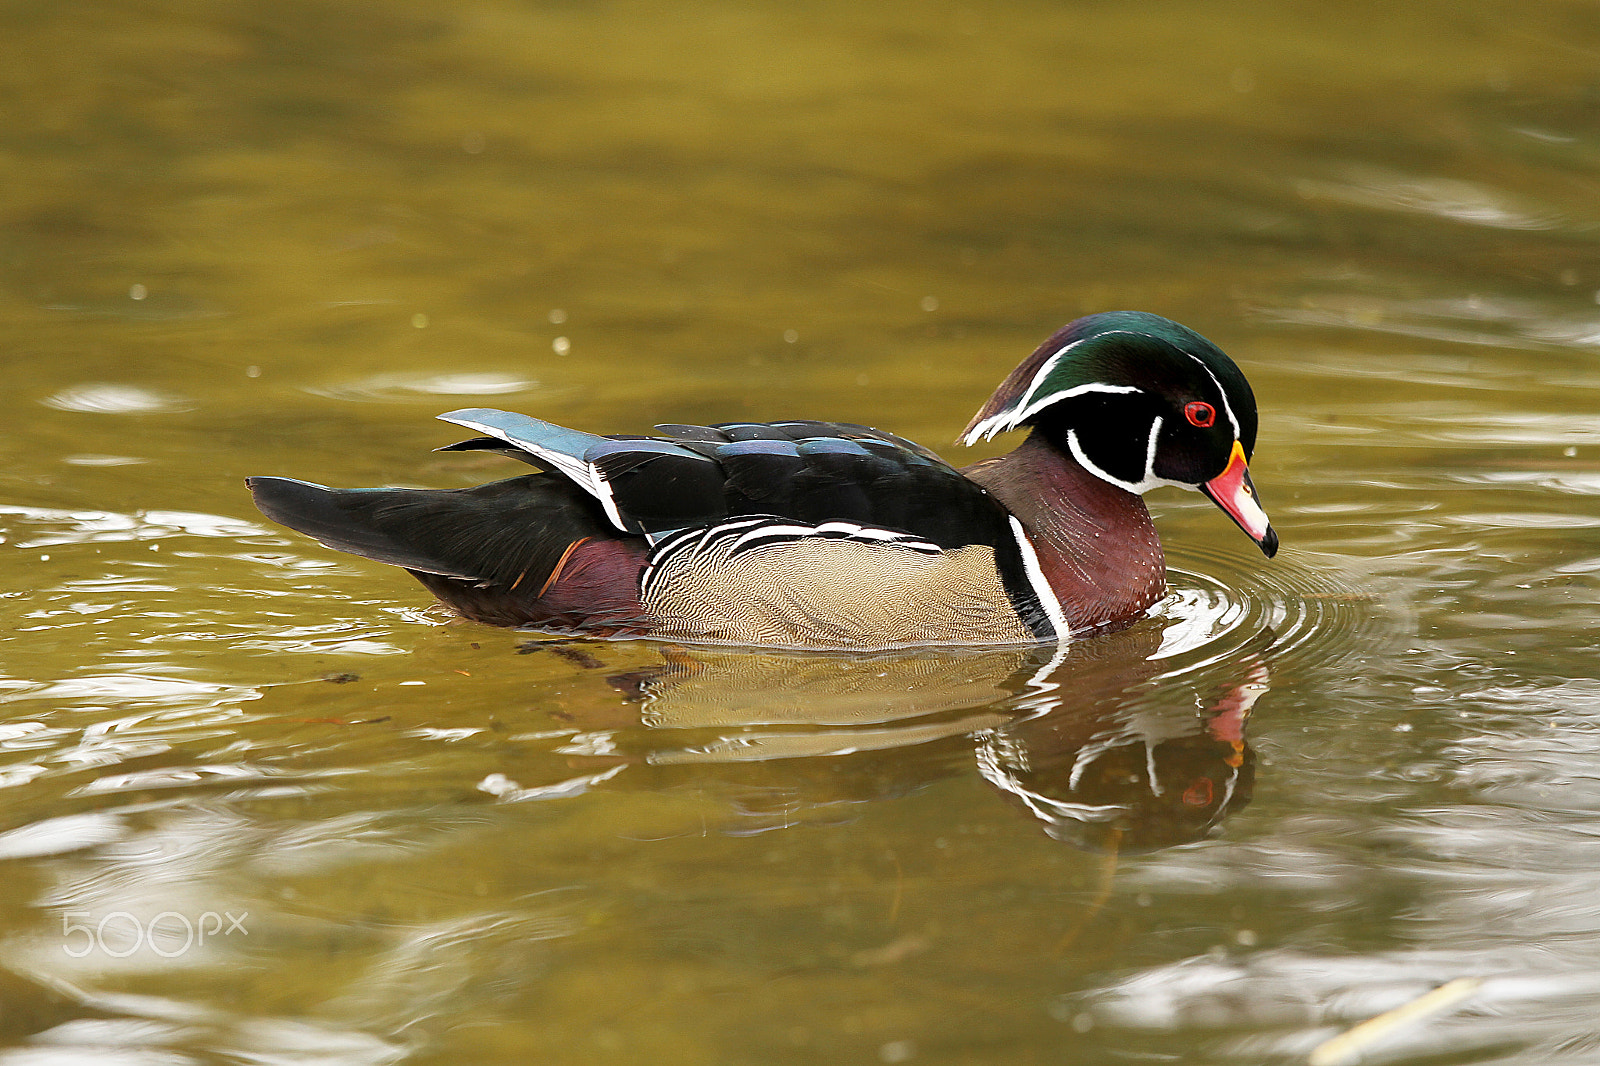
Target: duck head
{"points": [[1139, 401]]}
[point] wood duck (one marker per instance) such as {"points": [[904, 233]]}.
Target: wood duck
{"points": [[829, 535]]}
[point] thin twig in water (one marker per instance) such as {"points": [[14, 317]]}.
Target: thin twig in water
{"points": [[1352, 1044]]}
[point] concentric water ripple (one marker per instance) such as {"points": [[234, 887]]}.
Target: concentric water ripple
{"points": [[1289, 611]]}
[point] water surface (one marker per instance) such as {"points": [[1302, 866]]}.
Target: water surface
{"points": [[260, 804]]}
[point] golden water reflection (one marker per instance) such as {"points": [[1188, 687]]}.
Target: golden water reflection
{"points": [[239, 237], [1101, 742]]}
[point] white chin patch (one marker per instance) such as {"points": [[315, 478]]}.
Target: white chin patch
{"points": [[1138, 488]]}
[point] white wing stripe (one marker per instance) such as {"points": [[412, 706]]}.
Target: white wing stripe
{"points": [[585, 475], [722, 541], [762, 532]]}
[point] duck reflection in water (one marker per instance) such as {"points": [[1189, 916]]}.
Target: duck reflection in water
{"points": [[1109, 745], [1136, 765]]}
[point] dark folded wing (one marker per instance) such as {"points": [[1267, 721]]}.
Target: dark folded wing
{"points": [[697, 475]]}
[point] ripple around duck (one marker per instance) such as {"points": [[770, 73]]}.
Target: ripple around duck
{"points": [[1217, 611]]}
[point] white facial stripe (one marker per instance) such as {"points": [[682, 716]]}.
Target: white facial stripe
{"points": [[1013, 417], [1046, 370], [1150, 450], [1066, 394], [1041, 587], [1089, 465], [1138, 488], [1026, 406], [1226, 406]]}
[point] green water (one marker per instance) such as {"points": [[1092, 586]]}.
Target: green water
{"points": [[260, 804]]}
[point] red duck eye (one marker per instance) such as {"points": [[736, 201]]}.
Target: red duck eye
{"points": [[1200, 414]]}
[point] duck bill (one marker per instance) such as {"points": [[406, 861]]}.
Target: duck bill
{"points": [[1232, 491]]}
